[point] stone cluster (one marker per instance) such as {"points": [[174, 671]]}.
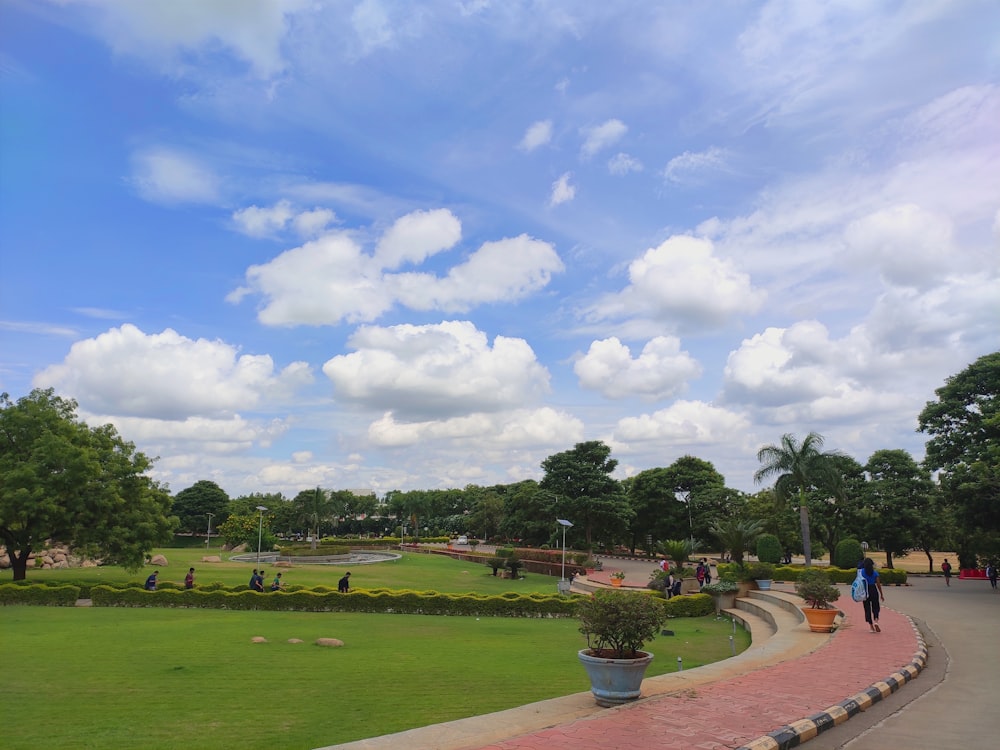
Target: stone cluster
{"points": [[53, 557]]}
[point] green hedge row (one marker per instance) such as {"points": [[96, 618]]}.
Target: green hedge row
{"points": [[39, 595], [889, 576], [689, 605]]}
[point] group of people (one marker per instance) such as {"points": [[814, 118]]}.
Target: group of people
{"points": [[257, 581]]}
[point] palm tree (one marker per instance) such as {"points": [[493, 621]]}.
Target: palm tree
{"points": [[798, 468], [737, 536], [678, 550], [314, 507]]}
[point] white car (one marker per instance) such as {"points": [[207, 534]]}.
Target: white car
{"points": [[462, 540]]}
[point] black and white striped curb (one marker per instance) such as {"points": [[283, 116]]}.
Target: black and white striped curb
{"points": [[794, 734]]}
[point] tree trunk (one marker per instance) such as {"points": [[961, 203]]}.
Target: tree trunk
{"points": [[930, 561], [804, 522], [19, 563], [888, 559]]}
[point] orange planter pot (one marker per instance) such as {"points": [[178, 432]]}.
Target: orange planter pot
{"points": [[820, 620], [616, 582]]}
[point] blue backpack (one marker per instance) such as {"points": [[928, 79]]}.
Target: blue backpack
{"points": [[859, 589]]}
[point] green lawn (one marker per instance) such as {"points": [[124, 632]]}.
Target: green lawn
{"points": [[159, 678]]}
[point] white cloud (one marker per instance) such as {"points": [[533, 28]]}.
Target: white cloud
{"points": [[683, 423], [164, 175], [331, 279], [622, 163], [372, 25], [562, 190], [660, 371], [169, 33], [445, 369], [314, 222], [166, 376], [693, 165], [538, 134], [416, 236], [602, 136], [517, 429], [256, 221], [683, 285]]}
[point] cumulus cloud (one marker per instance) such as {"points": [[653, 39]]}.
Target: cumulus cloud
{"points": [[270, 221], [683, 423], [332, 279], [622, 163], [562, 190], [683, 285], [693, 165], [602, 136], [164, 175], [440, 370], [538, 134], [516, 429], [660, 371], [128, 373]]}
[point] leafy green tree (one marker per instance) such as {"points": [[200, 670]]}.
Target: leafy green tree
{"points": [[964, 447], [74, 484], [798, 468], [837, 511], [192, 506], [588, 494], [769, 549], [658, 513], [897, 492], [530, 514], [487, 512], [313, 507], [776, 518], [248, 529]]}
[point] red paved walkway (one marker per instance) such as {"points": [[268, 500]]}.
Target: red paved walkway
{"points": [[735, 711]]}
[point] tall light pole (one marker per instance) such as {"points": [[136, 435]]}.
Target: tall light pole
{"points": [[260, 532], [565, 524], [685, 497], [208, 536]]}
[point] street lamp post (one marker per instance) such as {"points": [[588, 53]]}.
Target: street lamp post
{"points": [[208, 536], [260, 532], [685, 497], [565, 525]]}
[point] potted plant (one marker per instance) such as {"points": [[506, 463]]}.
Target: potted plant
{"points": [[617, 625], [763, 574], [723, 593], [814, 586], [617, 577]]}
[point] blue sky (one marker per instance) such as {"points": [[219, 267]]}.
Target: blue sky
{"points": [[395, 245]]}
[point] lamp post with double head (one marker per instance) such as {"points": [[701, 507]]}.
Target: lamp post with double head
{"points": [[565, 525]]}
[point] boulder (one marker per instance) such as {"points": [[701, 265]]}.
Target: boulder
{"points": [[211, 558], [295, 640], [159, 561], [281, 564], [258, 639], [329, 642]]}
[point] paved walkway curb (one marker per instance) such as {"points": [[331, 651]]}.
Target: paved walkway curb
{"points": [[794, 734]]}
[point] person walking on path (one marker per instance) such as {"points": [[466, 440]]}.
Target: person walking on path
{"points": [[946, 567], [872, 602], [276, 584], [991, 573], [344, 584], [151, 581], [189, 579]]}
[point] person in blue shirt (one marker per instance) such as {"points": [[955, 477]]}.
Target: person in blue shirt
{"points": [[151, 581], [872, 604]]}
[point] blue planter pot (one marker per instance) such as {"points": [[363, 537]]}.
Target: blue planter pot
{"points": [[615, 681], [764, 584]]}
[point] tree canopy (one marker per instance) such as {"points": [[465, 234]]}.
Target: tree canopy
{"points": [[64, 481], [193, 505]]}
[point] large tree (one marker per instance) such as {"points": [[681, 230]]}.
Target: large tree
{"points": [[588, 494], [964, 446], [799, 468], [66, 482], [899, 493], [193, 505]]}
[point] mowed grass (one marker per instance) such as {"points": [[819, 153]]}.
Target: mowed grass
{"points": [[165, 678]]}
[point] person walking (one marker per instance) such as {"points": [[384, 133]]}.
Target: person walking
{"points": [[189, 579], [873, 602], [151, 581], [946, 567], [276, 584], [344, 584], [991, 573]]}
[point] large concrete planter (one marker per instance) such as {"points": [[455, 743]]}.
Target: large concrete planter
{"points": [[615, 681], [690, 586], [723, 601]]}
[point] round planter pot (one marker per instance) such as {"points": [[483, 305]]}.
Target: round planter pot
{"points": [[616, 582], [615, 681], [764, 584], [820, 620]]}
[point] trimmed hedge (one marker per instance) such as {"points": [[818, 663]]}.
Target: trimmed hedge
{"points": [[39, 595], [768, 549], [847, 553], [889, 576], [689, 605]]}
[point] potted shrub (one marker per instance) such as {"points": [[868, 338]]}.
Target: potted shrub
{"points": [[814, 586], [617, 625], [723, 593], [617, 577], [763, 574]]}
